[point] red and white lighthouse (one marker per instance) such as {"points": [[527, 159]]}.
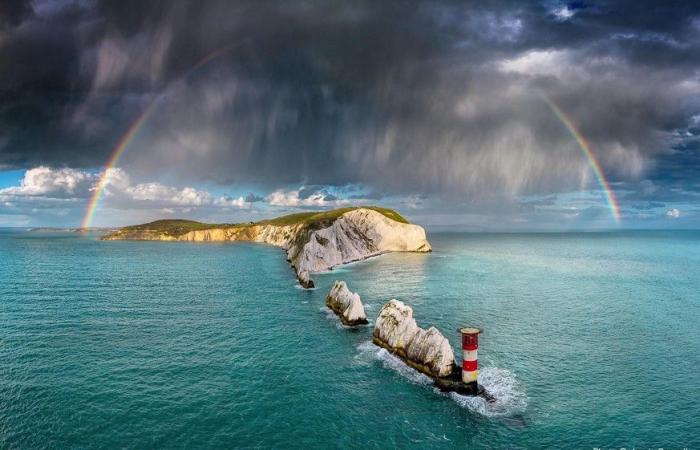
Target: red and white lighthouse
{"points": [[470, 346]]}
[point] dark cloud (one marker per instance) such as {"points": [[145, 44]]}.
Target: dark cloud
{"points": [[307, 191], [13, 12], [406, 97], [253, 198], [372, 195]]}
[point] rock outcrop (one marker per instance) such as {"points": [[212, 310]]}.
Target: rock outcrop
{"points": [[347, 305], [311, 246], [426, 350], [305, 280]]}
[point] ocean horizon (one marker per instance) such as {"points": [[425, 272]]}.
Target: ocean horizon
{"points": [[590, 341]]}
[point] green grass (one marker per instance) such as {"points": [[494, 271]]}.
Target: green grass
{"points": [[177, 227], [311, 218]]}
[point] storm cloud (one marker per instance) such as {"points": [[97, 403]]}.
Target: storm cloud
{"points": [[405, 97]]}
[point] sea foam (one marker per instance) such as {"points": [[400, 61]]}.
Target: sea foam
{"points": [[500, 383], [504, 388], [369, 352], [333, 317]]}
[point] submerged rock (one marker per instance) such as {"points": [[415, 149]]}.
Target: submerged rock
{"points": [[426, 350], [305, 280], [346, 305]]}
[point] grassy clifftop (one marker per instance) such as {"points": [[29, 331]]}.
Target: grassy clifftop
{"points": [[310, 218], [178, 227]]}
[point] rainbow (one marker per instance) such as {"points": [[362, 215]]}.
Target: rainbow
{"points": [[133, 129], [112, 162], [131, 132], [592, 160]]}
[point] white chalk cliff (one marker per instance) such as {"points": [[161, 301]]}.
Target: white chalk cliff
{"points": [[311, 247], [357, 235], [426, 350], [347, 305]]}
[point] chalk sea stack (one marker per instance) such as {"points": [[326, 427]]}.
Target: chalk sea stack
{"points": [[305, 280], [347, 305], [426, 350], [314, 241]]}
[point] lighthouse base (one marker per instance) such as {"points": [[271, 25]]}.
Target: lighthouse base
{"points": [[454, 383]]}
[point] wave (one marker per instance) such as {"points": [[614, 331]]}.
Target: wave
{"points": [[299, 286], [333, 317], [330, 315], [368, 352], [500, 383]]}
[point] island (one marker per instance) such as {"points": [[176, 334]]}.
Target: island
{"points": [[313, 241]]}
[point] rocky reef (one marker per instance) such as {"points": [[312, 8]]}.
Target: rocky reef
{"points": [[313, 241], [347, 305], [426, 350]]}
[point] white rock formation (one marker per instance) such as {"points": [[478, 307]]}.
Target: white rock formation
{"points": [[395, 325], [426, 350], [431, 348], [354, 236], [346, 305]]}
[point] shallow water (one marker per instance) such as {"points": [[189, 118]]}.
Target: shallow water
{"points": [[591, 340]]}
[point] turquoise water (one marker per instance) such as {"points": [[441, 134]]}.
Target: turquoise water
{"points": [[591, 340]]}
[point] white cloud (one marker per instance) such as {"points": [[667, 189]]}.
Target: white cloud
{"points": [[292, 197], [45, 181], [239, 202], [537, 62], [413, 202], [116, 178], [47, 188], [168, 195], [284, 198], [563, 13], [673, 213]]}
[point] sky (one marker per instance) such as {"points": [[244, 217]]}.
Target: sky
{"points": [[482, 116]]}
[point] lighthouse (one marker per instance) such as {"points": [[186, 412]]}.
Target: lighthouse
{"points": [[470, 346]]}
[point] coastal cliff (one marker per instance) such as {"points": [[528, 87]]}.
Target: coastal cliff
{"points": [[314, 242]]}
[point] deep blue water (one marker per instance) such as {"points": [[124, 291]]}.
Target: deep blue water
{"points": [[591, 340]]}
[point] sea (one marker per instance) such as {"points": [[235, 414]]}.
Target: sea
{"points": [[590, 340]]}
